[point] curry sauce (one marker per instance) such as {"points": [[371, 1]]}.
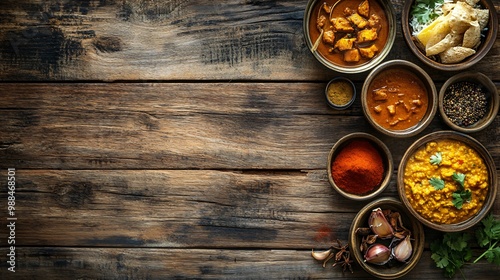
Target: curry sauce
{"points": [[397, 99], [348, 32]]}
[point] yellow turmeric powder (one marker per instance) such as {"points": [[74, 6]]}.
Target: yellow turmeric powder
{"points": [[340, 92]]}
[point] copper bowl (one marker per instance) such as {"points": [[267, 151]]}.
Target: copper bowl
{"points": [[485, 46], [491, 96], [417, 239], [492, 179], [384, 152]]}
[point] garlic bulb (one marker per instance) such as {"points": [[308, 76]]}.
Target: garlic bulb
{"points": [[378, 254], [379, 224], [402, 252]]}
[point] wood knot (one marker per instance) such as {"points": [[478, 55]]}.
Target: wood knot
{"points": [[74, 194], [108, 44]]}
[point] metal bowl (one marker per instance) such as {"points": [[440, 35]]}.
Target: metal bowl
{"points": [[417, 239], [485, 46], [428, 84], [331, 103], [384, 152], [391, 18], [491, 96], [492, 181]]}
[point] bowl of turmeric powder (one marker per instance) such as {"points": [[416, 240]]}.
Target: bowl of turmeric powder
{"points": [[447, 180], [359, 166], [340, 93]]}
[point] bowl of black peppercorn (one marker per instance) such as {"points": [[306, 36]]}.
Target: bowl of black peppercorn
{"points": [[468, 102]]}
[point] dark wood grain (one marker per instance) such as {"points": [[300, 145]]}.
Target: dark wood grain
{"points": [[126, 263], [181, 126], [180, 140], [169, 40]]}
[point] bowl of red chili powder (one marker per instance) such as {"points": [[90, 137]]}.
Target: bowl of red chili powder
{"points": [[359, 166]]}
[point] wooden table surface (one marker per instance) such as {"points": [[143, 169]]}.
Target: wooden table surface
{"points": [[180, 139]]}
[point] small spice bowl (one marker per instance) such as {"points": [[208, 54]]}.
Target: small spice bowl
{"points": [[340, 93], [467, 90], [447, 180], [392, 269], [371, 150]]}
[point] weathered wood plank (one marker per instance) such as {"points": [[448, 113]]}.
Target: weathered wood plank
{"points": [[125, 263], [169, 40], [181, 126], [178, 208], [182, 209]]}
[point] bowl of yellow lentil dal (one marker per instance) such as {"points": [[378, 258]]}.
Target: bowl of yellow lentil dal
{"points": [[447, 180]]}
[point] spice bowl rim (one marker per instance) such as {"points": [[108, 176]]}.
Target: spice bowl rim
{"points": [[381, 148], [348, 104], [417, 238], [493, 97], [391, 37], [485, 47], [427, 82], [492, 178]]}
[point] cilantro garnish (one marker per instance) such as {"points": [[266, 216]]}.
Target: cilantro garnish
{"points": [[436, 158], [461, 195], [437, 183]]}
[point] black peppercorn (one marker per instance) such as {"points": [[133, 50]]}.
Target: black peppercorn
{"points": [[465, 103]]}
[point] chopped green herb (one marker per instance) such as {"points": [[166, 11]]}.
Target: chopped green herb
{"points": [[459, 178], [460, 197], [437, 183], [423, 12], [436, 158]]}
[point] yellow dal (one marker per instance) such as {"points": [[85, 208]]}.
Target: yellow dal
{"points": [[436, 205]]}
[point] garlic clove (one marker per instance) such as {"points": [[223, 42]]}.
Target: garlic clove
{"points": [[379, 224], [378, 254], [402, 252], [321, 256]]}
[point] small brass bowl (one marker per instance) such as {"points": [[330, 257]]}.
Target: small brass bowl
{"points": [[426, 82], [384, 152], [485, 46], [417, 239], [491, 96], [492, 180], [330, 100]]}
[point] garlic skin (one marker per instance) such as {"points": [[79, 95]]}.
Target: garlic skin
{"points": [[378, 254], [321, 256], [402, 252], [379, 224]]}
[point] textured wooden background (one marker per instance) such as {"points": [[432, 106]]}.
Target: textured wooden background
{"points": [[180, 139]]}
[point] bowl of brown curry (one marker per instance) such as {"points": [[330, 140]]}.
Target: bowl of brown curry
{"points": [[349, 36], [399, 98]]}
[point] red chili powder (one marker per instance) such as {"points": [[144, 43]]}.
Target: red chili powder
{"points": [[323, 234], [358, 168]]}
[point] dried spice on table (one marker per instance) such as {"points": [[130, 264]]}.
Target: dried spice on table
{"points": [[358, 168], [339, 253]]}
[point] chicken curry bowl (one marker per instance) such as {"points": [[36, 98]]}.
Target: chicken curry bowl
{"points": [[349, 33]]}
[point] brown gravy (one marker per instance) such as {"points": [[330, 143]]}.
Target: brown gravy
{"points": [[397, 99], [327, 50]]}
